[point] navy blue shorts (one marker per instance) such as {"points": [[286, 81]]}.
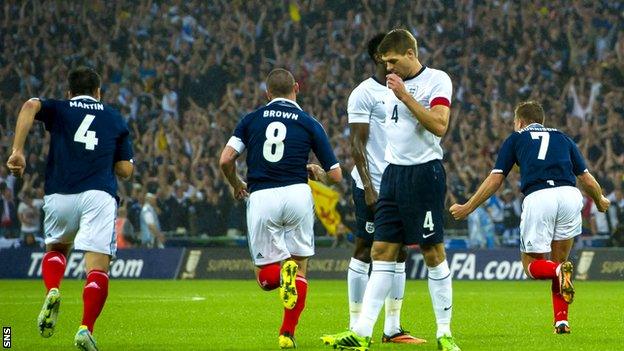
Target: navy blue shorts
{"points": [[364, 216], [411, 204]]}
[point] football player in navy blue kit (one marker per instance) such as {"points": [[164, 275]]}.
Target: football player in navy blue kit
{"points": [[278, 138], [89, 145], [550, 164]]}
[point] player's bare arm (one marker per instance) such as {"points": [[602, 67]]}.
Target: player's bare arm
{"points": [[359, 138], [435, 120], [592, 188], [124, 169], [486, 189], [227, 162], [17, 162], [316, 172]]}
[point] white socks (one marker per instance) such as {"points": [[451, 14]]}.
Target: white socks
{"points": [[394, 301], [441, 291], [378, 287], [357, 277]]}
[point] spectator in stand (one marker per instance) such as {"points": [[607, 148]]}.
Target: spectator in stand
{"points": [[124, 231], [512, 209], [8, 216], [29, 214], [151, 235], [183, 75]]}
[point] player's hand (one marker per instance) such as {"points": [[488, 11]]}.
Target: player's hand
{"points": [[370, 196], [395, 83], [240, 191], [459, 212], [603, 204], [17, 163], [315, 172]]}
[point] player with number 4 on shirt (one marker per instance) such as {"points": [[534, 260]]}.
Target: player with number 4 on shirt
{"points": [[550, 164], [89, 145], [278, 138], [410, 206]]}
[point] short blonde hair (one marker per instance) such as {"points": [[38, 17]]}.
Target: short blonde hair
{"points": [[399, 41]]}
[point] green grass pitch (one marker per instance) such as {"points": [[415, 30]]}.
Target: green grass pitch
{"points": [[237, 315]]}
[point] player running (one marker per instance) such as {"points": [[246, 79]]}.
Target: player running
{"points": [[550, 162], [280, 216], [89, 144], [367, 113], [413, 187]]}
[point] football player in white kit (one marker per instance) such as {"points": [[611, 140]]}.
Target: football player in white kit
{"points": [[413, 186], [366, 111]]}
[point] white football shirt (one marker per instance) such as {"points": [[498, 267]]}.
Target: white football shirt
{"points": [[366, 105], [409, 143]]}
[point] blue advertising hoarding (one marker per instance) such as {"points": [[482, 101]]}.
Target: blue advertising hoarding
{"points": [[129, 264]]}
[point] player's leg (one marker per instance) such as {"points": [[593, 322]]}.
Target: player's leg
{"points": [[424, 211], [393, 331], [357, 277], [561, 286], [60, 226], [568, 225], [97, 238], [265, 239], [384, 255], [298, 219], [537, 225], [359, 266]]}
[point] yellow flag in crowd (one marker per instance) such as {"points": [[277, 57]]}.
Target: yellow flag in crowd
{"points": [[325, 200], [293, 8]]}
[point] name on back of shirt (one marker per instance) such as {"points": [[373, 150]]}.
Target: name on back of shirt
{"points": [[94, 106], [281, 114]]}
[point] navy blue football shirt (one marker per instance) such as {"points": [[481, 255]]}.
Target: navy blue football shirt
{"points": [[279, 138], [86, 139], [547, 158]]}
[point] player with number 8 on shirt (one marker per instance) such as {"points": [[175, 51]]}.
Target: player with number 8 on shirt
{"points": [[89, 145], [550, 164], [278, 138]]}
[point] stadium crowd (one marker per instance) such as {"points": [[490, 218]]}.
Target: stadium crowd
{"points": [[183, 73]]}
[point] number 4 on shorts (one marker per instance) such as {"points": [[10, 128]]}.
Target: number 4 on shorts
{"points": [[428, 221]]}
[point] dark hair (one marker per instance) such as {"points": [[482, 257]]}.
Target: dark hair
{"points": [[83, 81], [399, 41], [373, 44], [530, 112], [280, 82]]}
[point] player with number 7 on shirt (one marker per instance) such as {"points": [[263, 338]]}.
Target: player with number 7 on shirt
{"points": [[278, 138], [89, 145], [550, 163]]}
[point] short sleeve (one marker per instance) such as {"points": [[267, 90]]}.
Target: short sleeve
{"points": [[359, 106], [441, 91], [47, 112], [322, 149], [239, 139], [123, 150], [578, 162], [506, 156]]}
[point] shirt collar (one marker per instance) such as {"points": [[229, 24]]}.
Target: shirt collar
{"points": [[285, 100], [80, 97]]}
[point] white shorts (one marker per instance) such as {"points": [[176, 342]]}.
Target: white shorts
{"points": [[549, 215], [87, 219], [280, 223]]}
